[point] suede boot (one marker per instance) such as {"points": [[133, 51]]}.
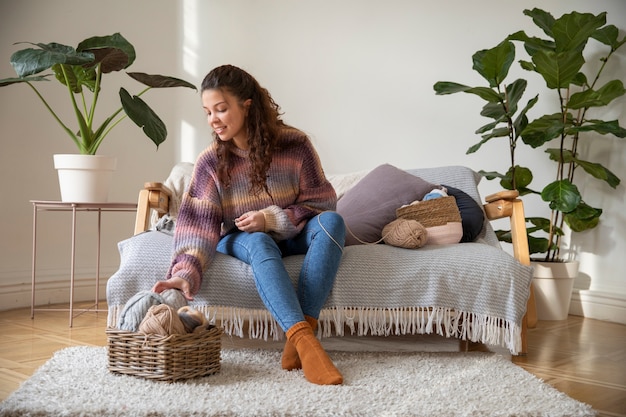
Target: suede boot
{"points": [[316, 365], [290, 359]]}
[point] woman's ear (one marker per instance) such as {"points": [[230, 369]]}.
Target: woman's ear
{"points": [[246, 105]]}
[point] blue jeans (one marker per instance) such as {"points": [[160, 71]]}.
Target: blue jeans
{"points": [[321, 241]]}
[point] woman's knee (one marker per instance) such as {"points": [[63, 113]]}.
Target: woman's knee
{"points": [[333, 224], [262, 243]]}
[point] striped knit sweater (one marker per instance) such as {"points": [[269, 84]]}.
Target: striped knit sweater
{"points": [[297, 184]]}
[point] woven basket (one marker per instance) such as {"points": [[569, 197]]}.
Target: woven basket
{"points": [[165, 358], [430, 213]]}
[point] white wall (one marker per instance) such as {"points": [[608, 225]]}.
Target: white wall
{"points": [[356, 75]]}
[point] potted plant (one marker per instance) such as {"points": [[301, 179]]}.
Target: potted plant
{"points": [[80, 71], [580, 94]]}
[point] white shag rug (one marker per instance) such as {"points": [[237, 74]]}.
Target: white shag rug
{"points": [[76, 382]]}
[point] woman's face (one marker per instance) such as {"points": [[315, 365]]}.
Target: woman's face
{"points": [[226, 116]]}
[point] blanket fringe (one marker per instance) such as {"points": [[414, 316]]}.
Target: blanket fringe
{"points": [[362, 321]]}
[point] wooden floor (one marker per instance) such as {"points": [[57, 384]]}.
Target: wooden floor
{"points": [[584, 358]]}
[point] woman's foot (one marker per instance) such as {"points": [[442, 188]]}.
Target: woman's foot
{"points": [[290, 359], [317, 366]]}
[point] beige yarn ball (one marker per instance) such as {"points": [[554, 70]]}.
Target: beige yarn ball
{"points": [[162, 320], [405, 233]]}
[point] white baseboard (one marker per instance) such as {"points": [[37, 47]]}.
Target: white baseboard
{"points": [[52, 291], [598, 305]]}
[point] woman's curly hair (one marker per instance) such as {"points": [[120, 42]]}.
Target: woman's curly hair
{"points": [[263, 123]]}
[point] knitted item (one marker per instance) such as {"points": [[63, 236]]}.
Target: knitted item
{"points": [[136, 308], [298, 190], [316, 365], [290, 359]]}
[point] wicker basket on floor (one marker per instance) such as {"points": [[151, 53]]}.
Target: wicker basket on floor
{"points": [[430, 213], [165, 358]]}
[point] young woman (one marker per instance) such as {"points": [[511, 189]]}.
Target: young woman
{"points": [[259, 193]]}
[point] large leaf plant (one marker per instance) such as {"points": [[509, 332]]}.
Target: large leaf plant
{"points": [[578, 92], [80, 70]]}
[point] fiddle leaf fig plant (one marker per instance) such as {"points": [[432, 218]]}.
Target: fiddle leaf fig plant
{"points": [[579, 96], [81, 71]]}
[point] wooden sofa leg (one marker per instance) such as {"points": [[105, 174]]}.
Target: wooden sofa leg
{"points": [[524, 350], [463, 345], [531, 310]]}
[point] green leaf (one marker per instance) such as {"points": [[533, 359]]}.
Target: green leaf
{"points": [[485, 93], [493, 111], [600, 172], [160, 81], [580, 79], [607, 35], [477, 146], [541, 223], [564, 156], [9, 81], [537, 244], [542, 19], [572, 31], [514, 93], [504, 236], [488, 126], [597, 98], [558, 69], [528, 66], [562, 196], [531, 44], [113, 52], [497, 133], [521, 121], [77, 76], [601, 127], [543, 130], [449, 87], [583, 218], [143, 116], [522, 175], [494, 64], [32, 61], [490, 175]]}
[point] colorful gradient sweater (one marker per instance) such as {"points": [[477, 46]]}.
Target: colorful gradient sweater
{"points": [[297, 184]]}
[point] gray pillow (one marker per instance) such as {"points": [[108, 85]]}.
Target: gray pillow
{"points": [[368, 206]]}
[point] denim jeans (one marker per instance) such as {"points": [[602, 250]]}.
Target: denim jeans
{"points": [[321, 241]]}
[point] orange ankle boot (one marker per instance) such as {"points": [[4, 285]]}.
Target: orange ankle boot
{"points": [[316, 364], [290, 359]]}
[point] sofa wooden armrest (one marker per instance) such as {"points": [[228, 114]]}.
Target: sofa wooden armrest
{"points": [[507, 204], [153, 196]]}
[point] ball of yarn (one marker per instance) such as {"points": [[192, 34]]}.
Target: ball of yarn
{"points": [[162, 320], [405, 233], [136, 309], [174, 298], [191, 318]]}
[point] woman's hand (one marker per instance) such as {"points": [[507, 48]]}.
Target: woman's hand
{"points": [[252, 221], [176, 283]]}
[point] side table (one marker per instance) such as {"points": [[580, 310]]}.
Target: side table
{"points": [[99, 208]]}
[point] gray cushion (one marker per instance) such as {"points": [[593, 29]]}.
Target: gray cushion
{"points": [[368, 206]]}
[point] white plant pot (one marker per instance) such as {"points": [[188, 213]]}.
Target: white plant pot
{"points": [[553, 283], [84, 178]]}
